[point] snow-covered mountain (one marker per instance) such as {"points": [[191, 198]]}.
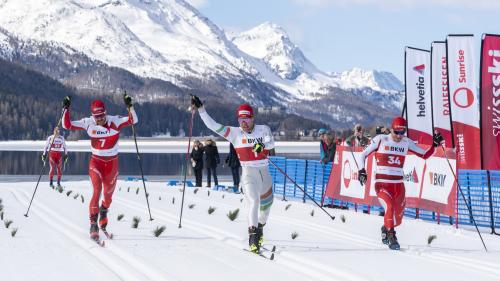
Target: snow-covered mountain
{"points": [[170, 40]]}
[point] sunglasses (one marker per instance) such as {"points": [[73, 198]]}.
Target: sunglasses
{"points": [[244, 119], [400, 133]]}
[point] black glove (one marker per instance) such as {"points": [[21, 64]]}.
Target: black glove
{"points": [[258, 147], [196, 101], [65, 158], [44, 157], [66, 102], [128, 100], [362, 176], [437, 139]]}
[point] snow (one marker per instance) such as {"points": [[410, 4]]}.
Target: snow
{"points": [[52, 243]]}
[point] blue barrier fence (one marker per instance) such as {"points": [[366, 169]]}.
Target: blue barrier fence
{"points": [[480, 188]]}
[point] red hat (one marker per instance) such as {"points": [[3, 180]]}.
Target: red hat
{"points": [[97, 108], [245, 110], [399, 124]]}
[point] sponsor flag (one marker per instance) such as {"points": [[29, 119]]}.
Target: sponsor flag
{"points": [[418, 95], [490, 101], [440, 95], [464, 100]]}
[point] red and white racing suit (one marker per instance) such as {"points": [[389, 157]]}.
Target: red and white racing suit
{"points": [[390, 156], [103, 165], [255, 179], [55, 149]]}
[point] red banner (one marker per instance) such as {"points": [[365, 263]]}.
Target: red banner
{"points": [[464, 100], [490, 101], [429, 184]]}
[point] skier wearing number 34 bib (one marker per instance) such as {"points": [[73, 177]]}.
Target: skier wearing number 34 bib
{"points": [[390, 152], [104, 132]]}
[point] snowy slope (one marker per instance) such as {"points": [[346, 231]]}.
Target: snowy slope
{"points": [[52, 243]]}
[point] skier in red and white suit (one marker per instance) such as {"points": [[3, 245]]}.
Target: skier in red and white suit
{"points": [[253, 143], [390, 153], [54, 147], [104, 132]]}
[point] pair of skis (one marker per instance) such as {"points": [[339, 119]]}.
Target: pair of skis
{"points": [[265, 252], [101, 242]]}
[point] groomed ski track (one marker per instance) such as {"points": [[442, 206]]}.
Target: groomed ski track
{"points": [[210, 246]]}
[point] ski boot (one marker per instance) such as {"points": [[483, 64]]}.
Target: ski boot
{"points": [[103, 217], [253, 240], [94, 229], [51, 184], [59, 187], [385, 239], [260, 234], [393, 240]]}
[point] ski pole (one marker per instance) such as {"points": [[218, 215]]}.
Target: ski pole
{"points": [[43, 167], [279, 169], [463, 197], [140, 166], [185, 163]]}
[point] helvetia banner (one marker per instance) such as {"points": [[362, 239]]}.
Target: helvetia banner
{"points": [[464, 100], [440, 95], [418, 95], [490, 101]]}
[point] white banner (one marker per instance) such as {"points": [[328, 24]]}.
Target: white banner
{"points": [[438, 180], [349, 185], [464, 100], [440, 94], [418, 95]]}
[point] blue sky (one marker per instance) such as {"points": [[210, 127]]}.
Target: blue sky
{"points": [[337, 35]]}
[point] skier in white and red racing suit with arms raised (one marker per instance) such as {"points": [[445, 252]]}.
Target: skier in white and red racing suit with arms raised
{"points": [[104, 132], [390, 152]]}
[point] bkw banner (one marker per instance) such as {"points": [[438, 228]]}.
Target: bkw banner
{"points": [[429, 184]]}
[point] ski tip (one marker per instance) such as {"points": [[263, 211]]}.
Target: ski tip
{"points": [[273, 249]]}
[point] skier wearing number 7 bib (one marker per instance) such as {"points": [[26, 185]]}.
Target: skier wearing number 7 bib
{"points": [[390, 153], [104, 132]]}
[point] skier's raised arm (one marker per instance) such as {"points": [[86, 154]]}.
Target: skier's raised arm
{"points": [[67, 123], [226, 132]]}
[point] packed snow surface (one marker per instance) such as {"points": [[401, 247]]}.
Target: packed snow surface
{"points": [[53, 244]]}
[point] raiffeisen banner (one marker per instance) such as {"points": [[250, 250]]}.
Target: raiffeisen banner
{"points": [[418, 95], [440, 94], [490, 101], [464, 100]]}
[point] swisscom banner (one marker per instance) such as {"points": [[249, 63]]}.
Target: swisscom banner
{"points": [[440, 94], [418, 95], [490, 101], [464, 100]]}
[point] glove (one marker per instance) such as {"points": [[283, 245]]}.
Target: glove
{"points": [[362, 176], [65, 158], [66, 102], [437, 139], [128, 100], [258, 147], [44, 157], [196, 101]]}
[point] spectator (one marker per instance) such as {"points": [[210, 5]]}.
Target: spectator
{"points": [[382, 130], [322, 145], [233, 162], [211, 161], [331, 147], [358, 138], [197, 161]]}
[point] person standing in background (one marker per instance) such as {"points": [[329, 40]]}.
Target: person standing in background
{"points": [[331, 148], [197, 161], [234, 163], [322, 143], [358, 139], [212, 159]]}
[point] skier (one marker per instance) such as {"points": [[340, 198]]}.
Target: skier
{"points": [[391, 151], [54, 146], [104, 131], [253, 143]]}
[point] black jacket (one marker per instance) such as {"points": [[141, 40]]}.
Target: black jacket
{"points": [[197, 155], [330, 153], [232, 158], [211, 156]]}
